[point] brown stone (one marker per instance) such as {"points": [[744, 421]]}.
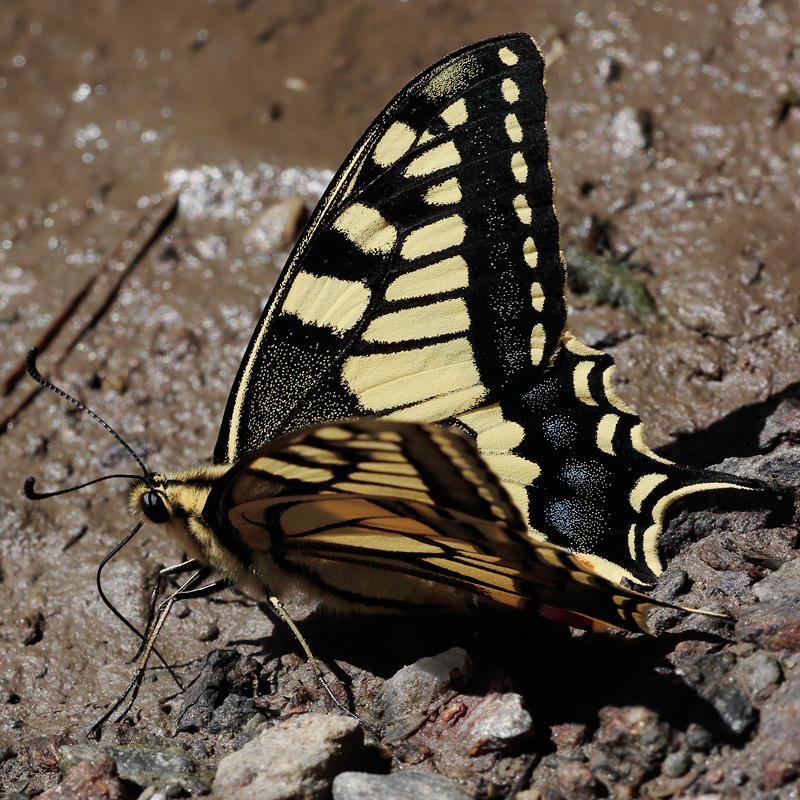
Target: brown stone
{"points": [[774, 625], [93, 779]]}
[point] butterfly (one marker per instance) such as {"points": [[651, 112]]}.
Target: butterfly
{"points": [[413, 425]]}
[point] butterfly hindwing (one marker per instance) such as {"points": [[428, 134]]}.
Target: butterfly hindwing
{"points": [[573, 457], [380, 515], [429, 280]]}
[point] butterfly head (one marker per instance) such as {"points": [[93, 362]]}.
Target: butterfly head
{"points": [[167, 497], [147, 496], [177, 502]]}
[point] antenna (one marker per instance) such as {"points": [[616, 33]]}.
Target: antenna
{"points": [[30, 364], [32, 494]]}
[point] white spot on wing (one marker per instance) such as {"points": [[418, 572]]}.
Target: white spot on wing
{"points": [[394, 144], [510, 91], [456, 114], [443, 194], [537, 296], [605, 433], [366, 229], [538, 341], [513, 128], [513, 468], [530, 253], [580, 382], [632, 541], [421, 322], [437, 158], [386, 380], [443, 276], [446, 405], [501, 438], [440, 235], [523, 209], [326, 301], [508, 56], [519, 167]]}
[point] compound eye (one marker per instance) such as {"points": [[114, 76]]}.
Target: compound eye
{"points": [[154, 508]]}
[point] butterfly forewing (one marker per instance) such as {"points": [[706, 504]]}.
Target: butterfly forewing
{"points": [[429, 280], [389, 516]]}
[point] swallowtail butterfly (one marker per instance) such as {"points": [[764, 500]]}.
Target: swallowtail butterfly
{"points": [[413, 425]]}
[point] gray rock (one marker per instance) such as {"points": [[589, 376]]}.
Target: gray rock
{"points": [[407, 785], [671, 583], [783, 583], [628, 746], [698, 737], [406, 700], [233, 714], [171, 792], [627, 129], [782, 467], [144, 766], [248, 731], [774, 625], [782, 425], [728, 710], [677, 764], [575, 781], [202, 696], [477, 747], [496, 721], [736, 585], [776, 750], [297, 759], [758, 672]]}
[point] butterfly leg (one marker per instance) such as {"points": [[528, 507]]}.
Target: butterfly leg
{"points": [[281, 612], [175, 569], [188, 590]]}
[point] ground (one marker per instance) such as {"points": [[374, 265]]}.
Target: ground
{"points": [[674, 124]]}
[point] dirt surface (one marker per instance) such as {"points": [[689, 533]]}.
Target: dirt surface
{"points": [[676, 124]]}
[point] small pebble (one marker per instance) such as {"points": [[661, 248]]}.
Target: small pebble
{"points": [[677, 764], [30, 628], [210, 634], [759, 671]]}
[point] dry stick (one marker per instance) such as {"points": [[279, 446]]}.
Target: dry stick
{"points": [[106, 281], [53, 329]]}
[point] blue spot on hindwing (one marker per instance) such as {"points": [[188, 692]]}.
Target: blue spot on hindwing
{"points": [[559, 431], [587, 479], [580, 523]]}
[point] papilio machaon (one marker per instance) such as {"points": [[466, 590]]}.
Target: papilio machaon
{"points": [[428, 287]]}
